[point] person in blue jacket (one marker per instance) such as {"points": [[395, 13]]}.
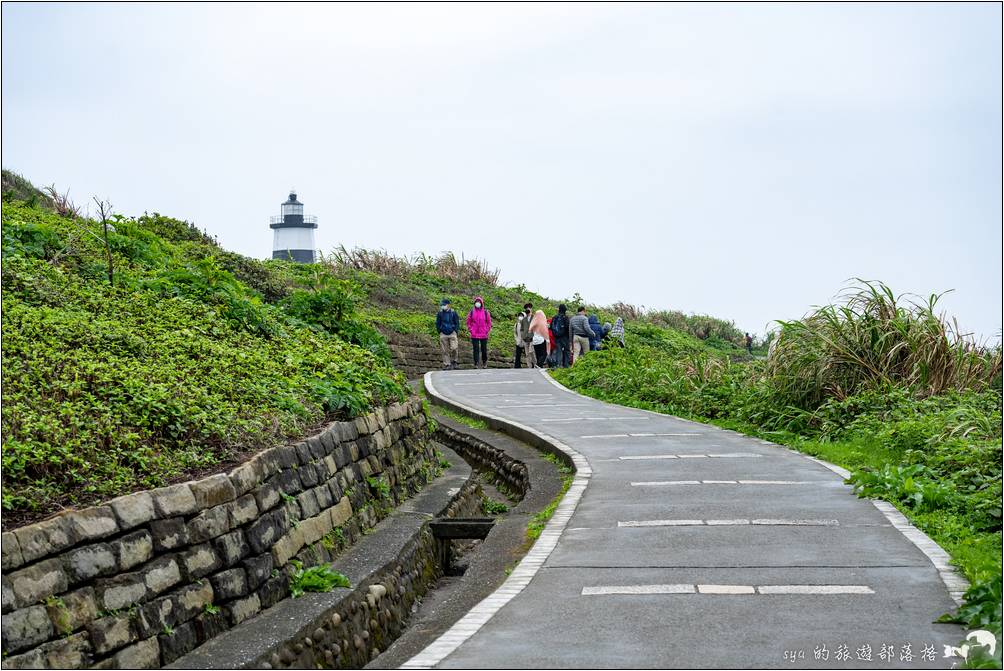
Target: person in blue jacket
{"points": [[598, 330], [448, 324]]}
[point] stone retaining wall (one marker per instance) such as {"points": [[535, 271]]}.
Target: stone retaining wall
{"points": [[352, 632], [144, 579], [513, 475], [416, 354]]}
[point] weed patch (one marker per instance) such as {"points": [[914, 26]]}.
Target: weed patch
{"points": [[321, 578]]}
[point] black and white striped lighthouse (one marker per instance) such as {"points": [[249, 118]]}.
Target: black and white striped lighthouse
{"points": [[294, 233]]}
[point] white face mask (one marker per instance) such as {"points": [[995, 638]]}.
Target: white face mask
{"points": [[477, 305], [445, 307]]}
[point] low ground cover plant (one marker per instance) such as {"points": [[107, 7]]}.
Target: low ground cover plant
{"points": [[320, 578], [188, 358]]}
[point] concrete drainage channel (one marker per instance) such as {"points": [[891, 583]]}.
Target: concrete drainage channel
{"points": [[521, 473], [417, 573]]}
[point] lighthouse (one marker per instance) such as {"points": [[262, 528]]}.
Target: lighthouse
{"points": [[294, 232]]}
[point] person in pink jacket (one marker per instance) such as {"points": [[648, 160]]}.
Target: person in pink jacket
{"points": [[479, 323]]}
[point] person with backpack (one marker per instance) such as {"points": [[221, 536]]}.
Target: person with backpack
{"points": [[581, 332], [479, 325], [552, 360], [447, 324], [559, 329]]}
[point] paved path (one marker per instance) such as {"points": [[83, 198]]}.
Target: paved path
{"points": [[684, 545]]}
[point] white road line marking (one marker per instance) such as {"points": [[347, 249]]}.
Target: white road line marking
{"points": [[661, 523], [679, 435], [736, 455], [635, 435], [471, 384], [726, 523], [731, 590], [516, 397], [683, 456], [693, 456], [541, 405], [797, 523], [815, 589], [595, 419], [670, 483], [638, 589], [725, 589]]}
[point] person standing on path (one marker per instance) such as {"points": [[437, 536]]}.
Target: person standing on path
{"points": [[518, 358], [479, 325], [617, 332], [578, 326], [541, 344], [749, 343], [525, 337], [559, 329], [447, 324]]}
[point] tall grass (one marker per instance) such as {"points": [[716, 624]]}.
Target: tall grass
{"points": [[874, 339], [445, 266], [702, 327]]}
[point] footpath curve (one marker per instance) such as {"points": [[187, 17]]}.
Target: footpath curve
{"points": [[683, 545]]}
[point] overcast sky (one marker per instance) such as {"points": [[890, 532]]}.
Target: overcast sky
{"points": [[741, 161]]}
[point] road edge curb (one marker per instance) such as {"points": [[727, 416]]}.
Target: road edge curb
{"points": [[533, 560]]}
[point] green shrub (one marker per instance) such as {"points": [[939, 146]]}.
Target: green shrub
{"points": [[913, 486]]}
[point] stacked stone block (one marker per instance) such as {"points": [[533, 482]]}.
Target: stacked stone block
{"points": [[354, 629], [512, 475], [416, 354], [145, 578]]}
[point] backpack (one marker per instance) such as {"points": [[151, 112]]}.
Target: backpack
{"points": [[559, 325]]}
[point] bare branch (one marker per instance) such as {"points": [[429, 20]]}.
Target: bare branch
{"points": [[61, 201], [104, 211]]}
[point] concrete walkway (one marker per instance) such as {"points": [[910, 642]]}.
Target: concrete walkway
{"points": [[683, 545]]}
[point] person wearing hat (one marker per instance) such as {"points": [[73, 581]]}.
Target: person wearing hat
{"points": [[448, 323]]}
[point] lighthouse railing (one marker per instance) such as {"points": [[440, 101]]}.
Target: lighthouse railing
{"points": [[307, 219]]}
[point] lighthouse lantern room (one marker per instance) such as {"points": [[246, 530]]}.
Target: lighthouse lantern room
{"points": [[294, 232]]}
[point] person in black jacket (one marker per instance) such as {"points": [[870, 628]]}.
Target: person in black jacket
{"points": [[448, 323], [559, 328]]}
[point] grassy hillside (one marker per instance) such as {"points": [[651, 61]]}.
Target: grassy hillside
{"points": [[403, 294], [188, 357], [877, 384]]}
